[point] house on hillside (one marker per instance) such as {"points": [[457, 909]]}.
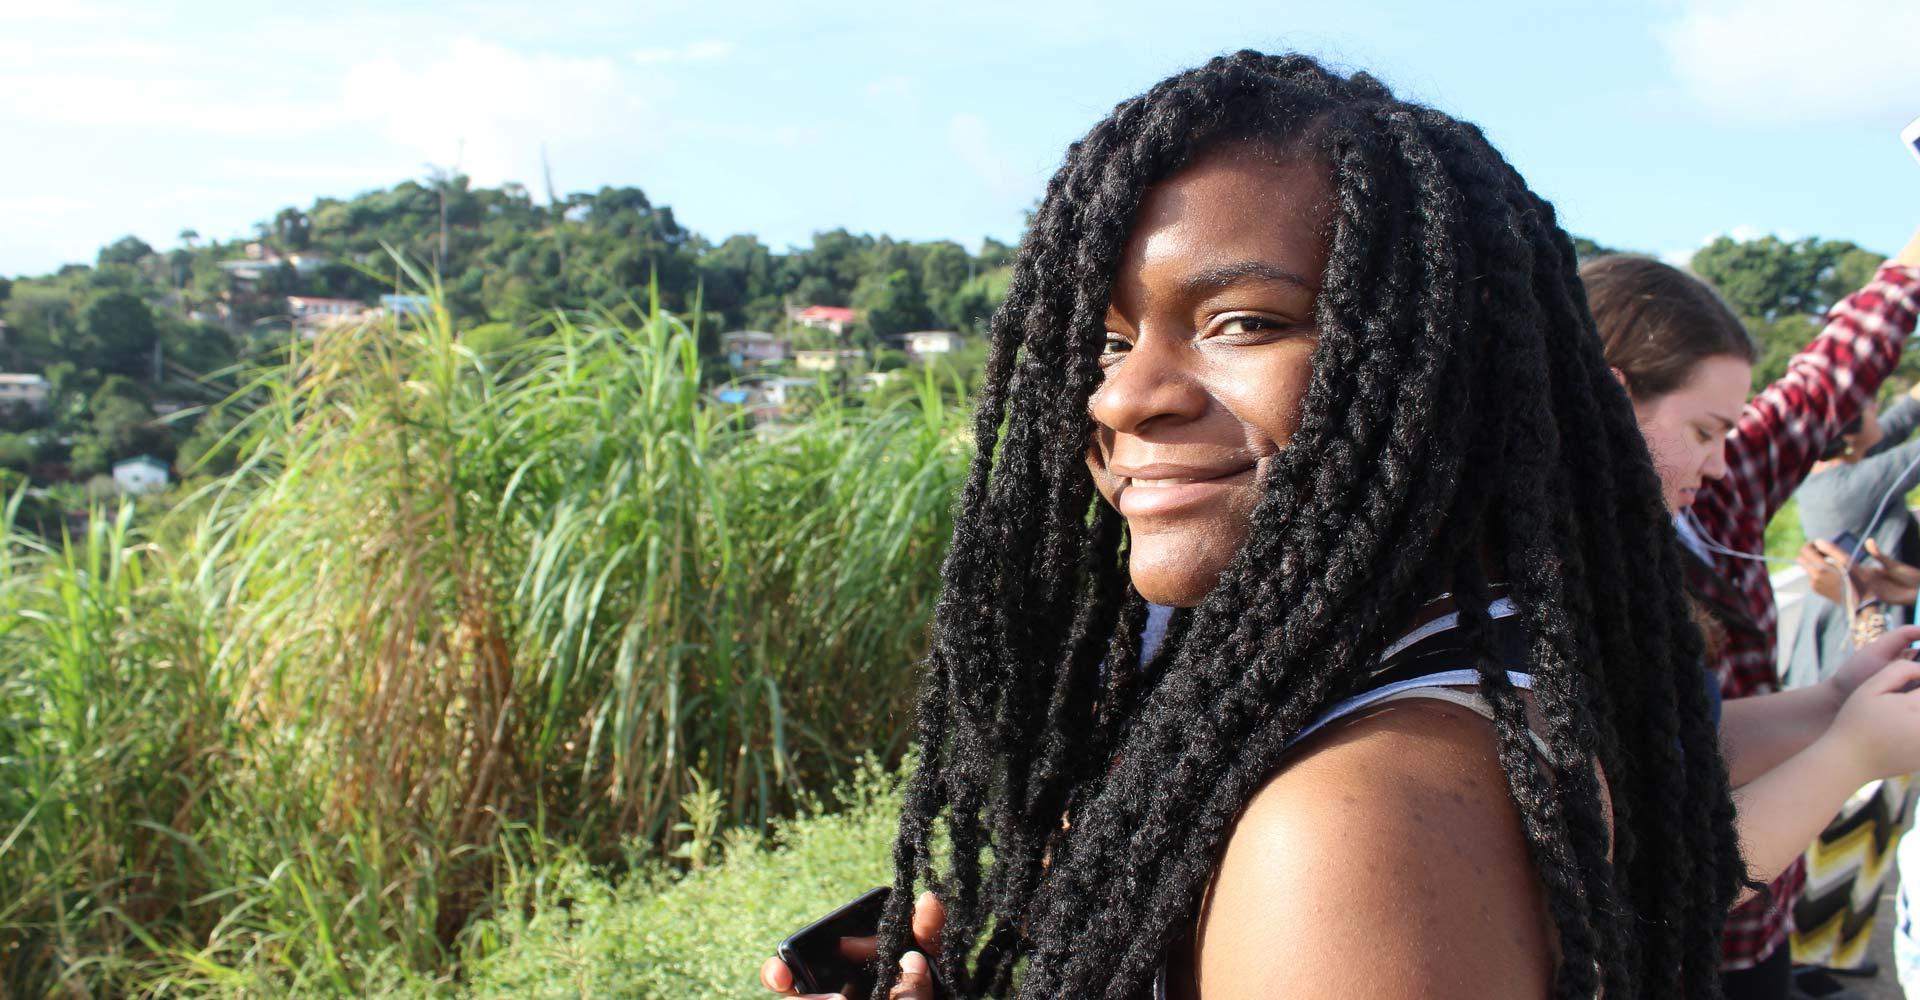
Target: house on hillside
{"points": [[924, 344], [406, 305], [826, 361], [246, 275], [753, 348], [780, 393], [766, 399], [140, 474], [261, 260], [23, 391], [311, 313], [836, 320]]}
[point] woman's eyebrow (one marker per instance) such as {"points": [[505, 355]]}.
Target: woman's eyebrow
{"points": [[1215, 278]]}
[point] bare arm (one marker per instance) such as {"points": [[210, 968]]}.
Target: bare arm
{"points": [[1386, 861], [1875, 735], [1760, 733]]}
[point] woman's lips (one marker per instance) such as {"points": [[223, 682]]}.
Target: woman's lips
{"points": [[1141, 497]]}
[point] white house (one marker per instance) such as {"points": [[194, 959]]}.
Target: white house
{"points": [[923, 344], [311, 311], [22, 391], [825, 361], [751, 348], [406, 305], [140, 474], [779, 392]]}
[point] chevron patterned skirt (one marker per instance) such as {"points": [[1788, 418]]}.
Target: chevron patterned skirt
{"points": [[1848, 869]]}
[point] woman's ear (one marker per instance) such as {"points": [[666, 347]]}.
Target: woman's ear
{"points": [[1620, 377]]}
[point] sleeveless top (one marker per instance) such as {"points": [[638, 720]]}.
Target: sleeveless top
{"points": [[1420, 664]]}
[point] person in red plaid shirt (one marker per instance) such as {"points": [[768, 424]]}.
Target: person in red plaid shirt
{"points": [[1687, 361]]}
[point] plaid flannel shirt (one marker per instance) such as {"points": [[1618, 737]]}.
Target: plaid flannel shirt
{"points": [[1780, 435]]}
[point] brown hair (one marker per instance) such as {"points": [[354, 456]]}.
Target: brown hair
{"points": [[1657, 322]]}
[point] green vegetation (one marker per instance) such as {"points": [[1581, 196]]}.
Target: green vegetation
{"points": [[489, 654], [694, 936], [451, 611], [173, 323]]}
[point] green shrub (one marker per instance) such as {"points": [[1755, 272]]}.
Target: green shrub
{"points": [[443, 599], [16, 451], [698, 935]]}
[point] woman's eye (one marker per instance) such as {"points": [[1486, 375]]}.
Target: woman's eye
{"points": [[1250, 326], [1116, 345]]}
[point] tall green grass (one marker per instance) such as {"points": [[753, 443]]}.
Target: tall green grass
{"points": [[453, 610]]}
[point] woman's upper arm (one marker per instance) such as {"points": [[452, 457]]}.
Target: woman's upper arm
{"points": [[1785, 426], [1387, 860]]}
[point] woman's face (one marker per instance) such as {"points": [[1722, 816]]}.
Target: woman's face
{"points": [[1686, 429], [1210, 340]]}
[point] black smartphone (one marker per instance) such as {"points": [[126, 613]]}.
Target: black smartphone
{"points": [[824, 961], [1849, 543]]}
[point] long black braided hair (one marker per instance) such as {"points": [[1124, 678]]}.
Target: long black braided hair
{"points": [[1459, 407]]}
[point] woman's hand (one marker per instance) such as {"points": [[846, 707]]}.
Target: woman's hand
{"points": [[1869, 660], [1824, 572], [1909, 255], [1877, 731], [1885, 579], [929, 918], [916, 979], [1893, 581]]}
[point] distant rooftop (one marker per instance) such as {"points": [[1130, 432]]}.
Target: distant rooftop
{"points": [[146, 460], [825, 314]]}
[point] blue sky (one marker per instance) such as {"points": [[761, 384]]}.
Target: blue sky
{"points": [[1651, 124]]}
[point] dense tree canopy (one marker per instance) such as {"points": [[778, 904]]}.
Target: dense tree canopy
{"points": [[1780, 288], [1770, 277]]}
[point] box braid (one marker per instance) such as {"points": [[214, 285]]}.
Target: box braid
{"points": [[1459, 424]]}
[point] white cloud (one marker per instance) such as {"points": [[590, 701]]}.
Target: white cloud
{"points": [[137, 83], [706, 51], [487, 109], [1679, 258], [1792, 60], [972, 141]]}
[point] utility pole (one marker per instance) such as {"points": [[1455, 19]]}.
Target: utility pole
{"points": [[440, 178], [553, 207]]}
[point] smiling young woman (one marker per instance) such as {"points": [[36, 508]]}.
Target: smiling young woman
{"points": [[1311, 365], [1209, 348]]}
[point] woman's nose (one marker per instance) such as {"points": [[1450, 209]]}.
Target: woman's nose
{"points": [[1153, 384], [1716, 467]]}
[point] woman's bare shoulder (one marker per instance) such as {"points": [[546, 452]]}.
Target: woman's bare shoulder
{"points": [[1387, 859]]}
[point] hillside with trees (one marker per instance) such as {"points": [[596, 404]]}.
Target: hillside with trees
{"points": [[137, 345], [137, 349]]}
